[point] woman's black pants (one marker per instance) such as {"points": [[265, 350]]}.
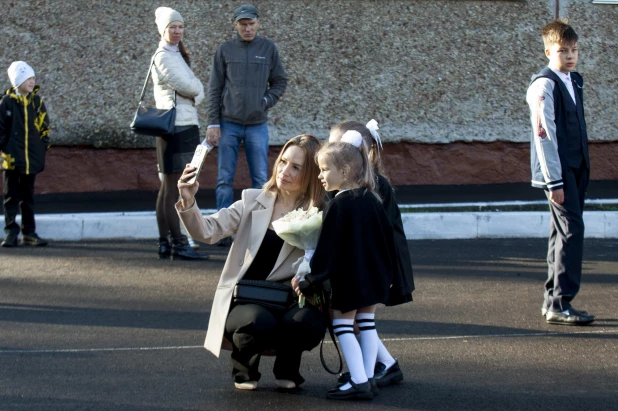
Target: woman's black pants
{"points": [[252, 329]]}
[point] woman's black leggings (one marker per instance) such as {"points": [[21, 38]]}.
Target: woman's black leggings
{"points": [[167, 217], [252, 329]]}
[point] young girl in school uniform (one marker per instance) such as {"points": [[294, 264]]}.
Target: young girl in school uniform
{"points": [[356, 254], [387, 369]]}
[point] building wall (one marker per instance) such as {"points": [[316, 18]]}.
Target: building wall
{"points": [[432, 73]]}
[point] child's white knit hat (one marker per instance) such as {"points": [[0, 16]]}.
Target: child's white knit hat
{"points": [[19, 71], [164, 16]]}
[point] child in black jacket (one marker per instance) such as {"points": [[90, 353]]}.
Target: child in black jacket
{"points": [[24, 139]]}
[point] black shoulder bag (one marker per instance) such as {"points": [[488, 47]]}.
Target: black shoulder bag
{"points": [[270, 294], [150, 121]]}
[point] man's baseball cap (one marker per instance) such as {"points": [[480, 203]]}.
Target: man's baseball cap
{"points": [[246, 11]]}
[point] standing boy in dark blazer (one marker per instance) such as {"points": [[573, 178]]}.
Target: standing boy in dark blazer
{"points": [[561, 166]]}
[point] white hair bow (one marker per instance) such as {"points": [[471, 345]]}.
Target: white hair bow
{"points": [[373, 129], [352, 137]]}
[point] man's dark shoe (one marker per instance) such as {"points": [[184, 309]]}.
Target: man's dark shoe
{"points": [[9, 241], [181, 250], [386, 376], [569, 317], [355, 392], [33, 240]]}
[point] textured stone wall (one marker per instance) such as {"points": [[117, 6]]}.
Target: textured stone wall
{"points": [[428, 71]]}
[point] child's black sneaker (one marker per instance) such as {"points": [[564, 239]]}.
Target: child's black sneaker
{"points": [[33, 240], [9, 241]]}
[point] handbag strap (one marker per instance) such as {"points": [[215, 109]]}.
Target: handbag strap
{"points": [[324, 303], [332, 336], [141, 97]]}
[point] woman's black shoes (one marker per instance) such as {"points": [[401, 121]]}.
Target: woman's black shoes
{"points": [[355, 392], [165, 249], [181, 250], [178, 250]]}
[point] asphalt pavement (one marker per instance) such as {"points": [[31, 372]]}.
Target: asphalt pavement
{"points": [[105, 325]]}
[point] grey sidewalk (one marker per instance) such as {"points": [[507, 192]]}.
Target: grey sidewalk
{"points": [[446, 213]]}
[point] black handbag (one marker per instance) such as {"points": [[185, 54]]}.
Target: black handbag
{"points": [[265, 293], [151, 121]]}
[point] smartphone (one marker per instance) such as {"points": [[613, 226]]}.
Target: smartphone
{"points": [[198, 159]]}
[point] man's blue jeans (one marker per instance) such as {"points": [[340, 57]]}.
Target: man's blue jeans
{"points": [[255, 139]]}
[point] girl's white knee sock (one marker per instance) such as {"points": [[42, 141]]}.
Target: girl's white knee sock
{"points": [[369, 341], [344, 330]]}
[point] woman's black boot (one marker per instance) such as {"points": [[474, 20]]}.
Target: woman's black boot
{"points": [[165, 249], [181, 250]]}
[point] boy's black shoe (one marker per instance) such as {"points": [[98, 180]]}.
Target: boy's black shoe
{"points": [[33, 240], [544, 310], [569, 317], [355, 392], [385, 376], [9, 241]]}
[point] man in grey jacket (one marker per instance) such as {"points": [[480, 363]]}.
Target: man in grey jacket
{"points": [[247, 79]]}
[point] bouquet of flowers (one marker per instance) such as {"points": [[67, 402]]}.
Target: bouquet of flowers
{"points": [[301, 229]]}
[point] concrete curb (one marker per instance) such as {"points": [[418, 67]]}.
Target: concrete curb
{"points": [[418, 226]]}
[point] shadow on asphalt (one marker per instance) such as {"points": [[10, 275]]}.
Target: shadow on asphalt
{"points": [[63, 404], [108, 317]]}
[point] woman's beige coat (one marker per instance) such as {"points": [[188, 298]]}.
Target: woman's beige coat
{"points": [[248, 219]]}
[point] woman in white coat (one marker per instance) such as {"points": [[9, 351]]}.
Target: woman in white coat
{"points": [[258, 253], [174, 83]]}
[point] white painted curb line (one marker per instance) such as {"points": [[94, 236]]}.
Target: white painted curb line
{"points": [[418, 226]]}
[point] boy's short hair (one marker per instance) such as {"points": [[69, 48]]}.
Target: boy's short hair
{"points": [[558, 32]]}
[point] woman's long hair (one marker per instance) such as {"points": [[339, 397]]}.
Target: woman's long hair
{"points": [[312, 191]]}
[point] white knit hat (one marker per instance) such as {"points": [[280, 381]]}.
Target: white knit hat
{"points": [[19, 71], [164, 16]]}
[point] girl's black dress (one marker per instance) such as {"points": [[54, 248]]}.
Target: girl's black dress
{"points": [[356, 252], [403, 279]]}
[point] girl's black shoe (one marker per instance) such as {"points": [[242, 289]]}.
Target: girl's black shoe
{"points": [[355, 392], [181, 250], [165, 249], [386, 376]]}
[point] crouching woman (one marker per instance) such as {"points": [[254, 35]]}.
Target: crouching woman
{"points": [[257, 253]]}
